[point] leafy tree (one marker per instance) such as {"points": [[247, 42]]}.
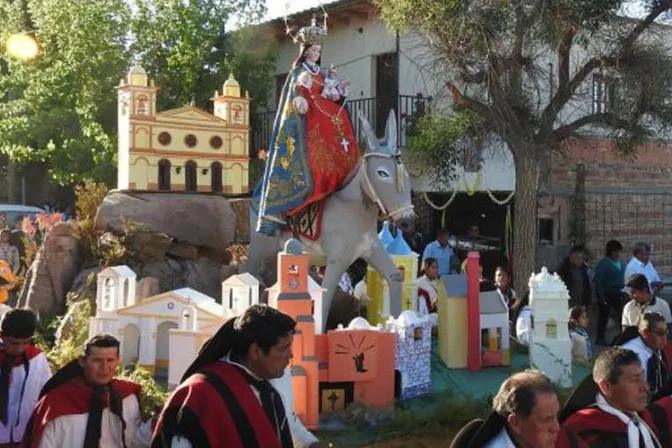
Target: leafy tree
{"points": [[62, 106], [495, 56], [186, 46]]}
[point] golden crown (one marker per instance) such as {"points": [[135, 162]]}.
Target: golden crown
{"points": [[313, 34]]}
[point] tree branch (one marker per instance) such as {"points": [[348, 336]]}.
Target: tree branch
{"points": [[564, 52], [607, 118], [563, 95], [468, 103]]}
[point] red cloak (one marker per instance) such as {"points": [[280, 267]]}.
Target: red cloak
{"points": [[327, 127], [31, 352], [215, 408], [72, 397], [597, 428], [658, 415]]}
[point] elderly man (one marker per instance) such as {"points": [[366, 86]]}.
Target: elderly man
{"points": [[525, 415], [640, 263], [649, 346], [613, 420]]}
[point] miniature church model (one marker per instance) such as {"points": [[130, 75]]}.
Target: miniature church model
{"points": [[414, 353], [239, 292], [185, 149], [165, 332], [330, 371], [550, 347], [378, 292]]}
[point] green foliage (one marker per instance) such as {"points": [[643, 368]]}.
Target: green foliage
{"points": [[71, 347], [89, 197], [185, 46], [434, 143], [61, 107], [152, 395]]}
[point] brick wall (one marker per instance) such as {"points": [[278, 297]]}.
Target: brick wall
{"points": [[628, 199]]}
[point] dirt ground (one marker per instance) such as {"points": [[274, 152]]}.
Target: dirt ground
{"points": [[418, 442], [413, 443]]}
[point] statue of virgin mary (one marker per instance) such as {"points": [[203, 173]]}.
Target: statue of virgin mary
{"points": [[313, 147]]}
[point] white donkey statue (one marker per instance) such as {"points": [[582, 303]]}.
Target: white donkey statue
{"points": [[379, 182]]}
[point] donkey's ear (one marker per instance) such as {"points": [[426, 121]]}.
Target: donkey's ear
{"points": [[370, 136], [391, 131]]}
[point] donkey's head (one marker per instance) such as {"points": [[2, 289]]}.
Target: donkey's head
{"points": [[386, 180]]}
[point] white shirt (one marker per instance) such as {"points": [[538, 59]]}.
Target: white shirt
{"points": [[431, 286], [524, 326], [637, 267], [38, 374], [643, 351], [301, 437], [361, 293], [501, 440], [633, 311], [70, 430]]}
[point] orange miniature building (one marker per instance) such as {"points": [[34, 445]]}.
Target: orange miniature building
{"points": [[330, 371]]}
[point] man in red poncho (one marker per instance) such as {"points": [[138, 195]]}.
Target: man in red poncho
{"points": [[83, 405], [229, 396]]}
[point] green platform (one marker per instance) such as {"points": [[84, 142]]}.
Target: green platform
{"points": [[458, 386]]}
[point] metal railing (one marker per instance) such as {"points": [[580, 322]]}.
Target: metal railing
{"points": [[375, 110]]}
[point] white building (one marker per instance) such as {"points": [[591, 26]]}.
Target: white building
{"points": [[143, 328], [239, 292], [550, 345]]}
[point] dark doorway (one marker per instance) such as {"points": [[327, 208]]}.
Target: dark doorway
{"points": [[387, 89], [190, 183], [475, 210], [164, 175], [216, 176]]}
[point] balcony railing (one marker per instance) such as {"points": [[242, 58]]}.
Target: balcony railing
{"points": [[374, 109]]}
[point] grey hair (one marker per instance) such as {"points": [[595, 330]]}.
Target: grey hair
{"points": [[641, 248], [518, 394], [649, 320]]}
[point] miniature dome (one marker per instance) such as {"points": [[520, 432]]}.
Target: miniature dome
{"points": [[231, 87], [137, 76], [137, 70], [408, 317], [359, 323], [293, 247], [399, 246], [385, 236]]}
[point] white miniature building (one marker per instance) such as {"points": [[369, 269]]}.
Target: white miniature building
{"points": [[116, 288], [414, 352], [550, 346], [143, 328], [239, 292], [316, 292], [495, 320]]}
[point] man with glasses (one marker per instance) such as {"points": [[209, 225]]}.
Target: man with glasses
{"points": [[642, 302], [649, 346]]}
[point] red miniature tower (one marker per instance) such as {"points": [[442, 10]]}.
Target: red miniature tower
{"points": [[294, 300], [473, 312]]}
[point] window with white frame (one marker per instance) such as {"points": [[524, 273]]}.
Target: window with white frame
{"points": [[604, 93]]}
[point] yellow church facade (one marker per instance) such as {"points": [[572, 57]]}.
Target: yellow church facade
{"points": [[184, 149]]}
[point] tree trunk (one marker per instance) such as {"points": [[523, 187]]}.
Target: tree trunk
{"points": [[525, 219]]}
